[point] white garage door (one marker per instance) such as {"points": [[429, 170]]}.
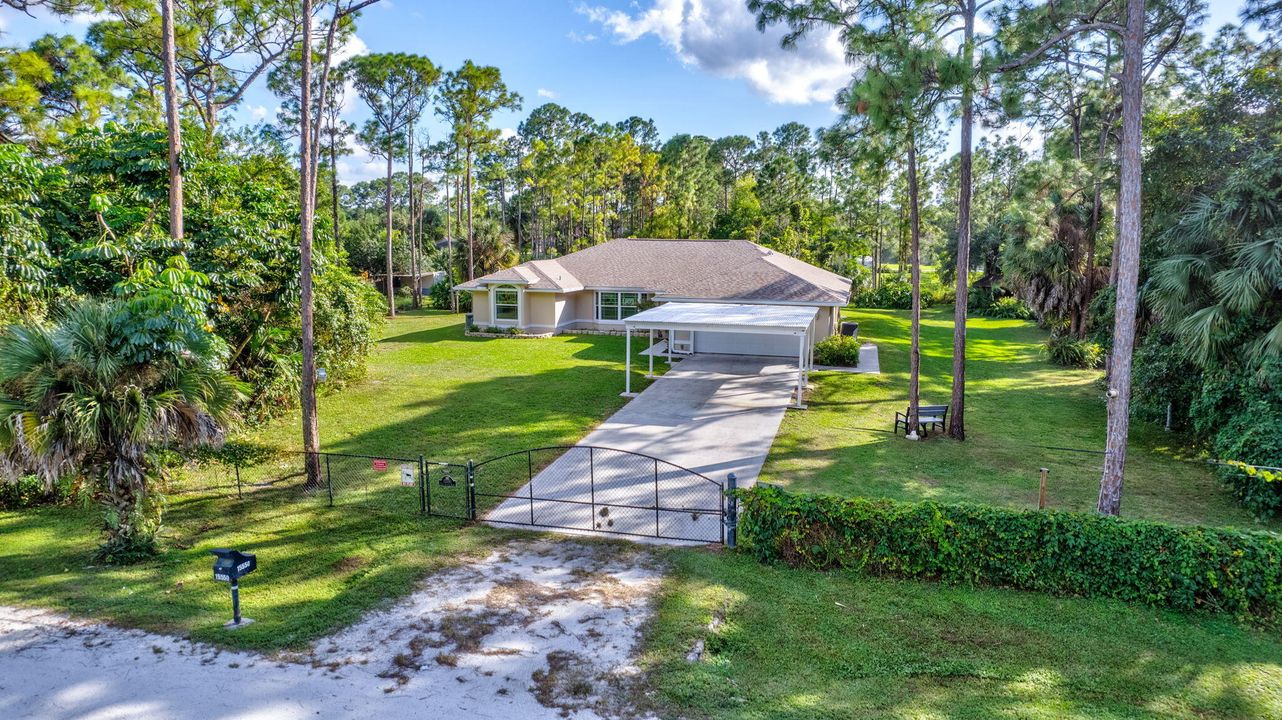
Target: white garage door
{"points": [[728, 343]]}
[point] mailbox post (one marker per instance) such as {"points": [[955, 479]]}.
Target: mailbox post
{"points": [[229, 567]]}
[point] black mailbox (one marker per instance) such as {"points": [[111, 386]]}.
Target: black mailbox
{"points": [[232, 565], [229, 567]]}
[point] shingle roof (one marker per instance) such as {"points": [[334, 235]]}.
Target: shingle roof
{"points": [[686, 269]]}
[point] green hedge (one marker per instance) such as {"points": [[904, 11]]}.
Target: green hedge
{"points": [[1063, 553]]}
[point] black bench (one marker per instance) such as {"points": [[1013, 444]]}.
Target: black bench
{"points": [[850, 329], [929, 417]]}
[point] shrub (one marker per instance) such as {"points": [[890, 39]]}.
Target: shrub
{"points": [[1071, 352], [27, 491], [1062, 553], [1008, 308], [892, 295], [438, 296], [1239, 413], [838, 351]]}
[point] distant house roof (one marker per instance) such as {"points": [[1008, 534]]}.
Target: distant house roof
{"points": [[680, 270]]}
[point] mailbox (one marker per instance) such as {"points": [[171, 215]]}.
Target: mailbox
{"points": [[229, 567], [232, 565]]}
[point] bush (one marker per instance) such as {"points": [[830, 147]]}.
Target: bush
{"points": [[1163, 375], [892, 295], [438, 296], [29, 491], [1008, 308], [1062, 553], [1239, 412], [1071, 352], [348, 316], [838, 351]]}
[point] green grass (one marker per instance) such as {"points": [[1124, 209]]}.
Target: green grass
{"points": [[808, 645], [431, 390], [1018, 407]]}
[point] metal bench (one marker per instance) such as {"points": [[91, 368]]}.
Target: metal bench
{"points": [[929, 417]]}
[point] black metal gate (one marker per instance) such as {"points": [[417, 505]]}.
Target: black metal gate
{"points": [[599, 489]]}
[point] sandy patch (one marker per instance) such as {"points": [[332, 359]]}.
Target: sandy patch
{"points": [[539, 629]]}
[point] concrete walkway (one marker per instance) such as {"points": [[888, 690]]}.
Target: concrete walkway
{"points": [[713, 414]]}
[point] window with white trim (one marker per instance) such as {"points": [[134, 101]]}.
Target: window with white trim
{"points": [[506, 304], [617, 305]]}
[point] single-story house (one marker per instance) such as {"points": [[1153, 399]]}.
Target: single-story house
{"points": [[713, 296]]}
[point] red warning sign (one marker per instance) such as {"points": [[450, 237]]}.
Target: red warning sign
{"points": [[380, 465]]}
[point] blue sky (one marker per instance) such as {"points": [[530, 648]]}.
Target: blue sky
{"points": [[696, 66]]}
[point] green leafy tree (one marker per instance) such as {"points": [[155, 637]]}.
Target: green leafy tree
{"points": [[469, 98], [396, 88]]}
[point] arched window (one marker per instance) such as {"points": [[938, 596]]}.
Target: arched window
{"points": [[506, 303]]}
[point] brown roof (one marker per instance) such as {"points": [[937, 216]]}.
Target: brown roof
{"points": [[686, 269]]}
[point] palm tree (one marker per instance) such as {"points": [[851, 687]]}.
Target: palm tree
{"points": [[78, 398], [1220, 282]]}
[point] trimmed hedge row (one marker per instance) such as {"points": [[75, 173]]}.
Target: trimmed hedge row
{"points": [[1063, 553]]}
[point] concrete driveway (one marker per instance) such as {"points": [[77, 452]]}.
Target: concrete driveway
{"points": [[712, 414]]}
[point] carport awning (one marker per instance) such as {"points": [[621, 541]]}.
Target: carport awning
{"points": [[794, 320], [727, 317]]}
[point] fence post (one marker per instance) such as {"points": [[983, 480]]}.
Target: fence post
{"points": [[1041, 491], [471, 491], [592, 486], [329, 482], [656, 497], [529, 471], [422, 486], [732, 510]]}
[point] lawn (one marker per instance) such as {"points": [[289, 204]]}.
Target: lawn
{"points": [[794, 643], [431, 390], [1019, 408], [803, 645]]}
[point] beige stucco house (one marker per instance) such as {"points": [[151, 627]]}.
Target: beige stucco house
{"points": [[603, 287]]}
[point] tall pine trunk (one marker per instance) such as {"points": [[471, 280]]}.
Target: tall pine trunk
{"points": [[914, 356], [1128, 262], [387, 207], [414, 291], [957, 409], [471, 241], [306, 228], [172, 121]]}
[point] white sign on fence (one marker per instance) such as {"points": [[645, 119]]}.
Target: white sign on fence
{"points": [[407, 475]]}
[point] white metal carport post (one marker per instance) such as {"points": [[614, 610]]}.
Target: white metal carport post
{"points": [[627, 364], [801, 368], [650, 353]]}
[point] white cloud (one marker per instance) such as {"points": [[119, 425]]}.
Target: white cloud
{"points": [[545, 93], [505, 133], [360, 166], [580, 37], [720, 37], [350, 49], [258, 112]]}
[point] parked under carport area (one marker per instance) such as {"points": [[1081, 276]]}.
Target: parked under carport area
{"points": [[732, 328]]}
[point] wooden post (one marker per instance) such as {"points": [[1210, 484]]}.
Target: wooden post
{"points": [[1041, 493]]}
